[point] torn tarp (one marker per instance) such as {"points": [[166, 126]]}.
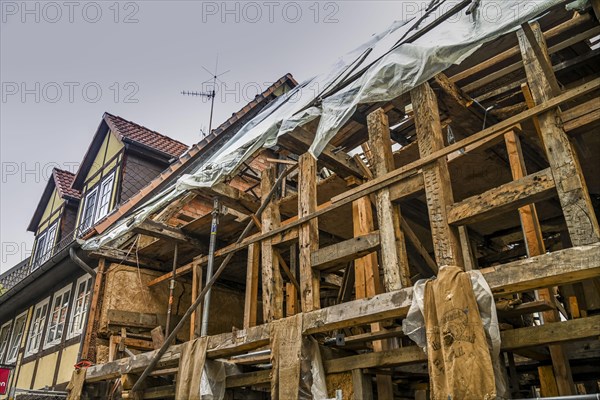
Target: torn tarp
{"points": [[389, 64]]}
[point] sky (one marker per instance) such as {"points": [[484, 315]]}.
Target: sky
{"points": [[63, 64]]}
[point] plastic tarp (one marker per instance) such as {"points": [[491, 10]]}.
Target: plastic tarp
{"points": [[388, 65]]}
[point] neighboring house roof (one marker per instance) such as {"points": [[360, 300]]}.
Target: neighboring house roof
{"points": [[128, 132], [179, 167], [145, 136], [62, 181]]}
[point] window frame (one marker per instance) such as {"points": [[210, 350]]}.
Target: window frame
{"points": [[43, 249], [4, 352], [110, 178], [72, 332], [12, 338], [93, 193], [59, 293], [32, 326]]}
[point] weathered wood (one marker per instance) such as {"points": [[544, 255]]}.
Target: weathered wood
{"points": [[339, 254], [123, 257], [162, 231], [570, 183], [438, 189], [419, 247], [272, 282], [94, 310], [559, 332], [292, 289], [231, 197], [361, 383], [251, 295], [510, 196], [564, 266], [196, 317], [309, 233], [248, 379], [548, 386], [394, 257]]}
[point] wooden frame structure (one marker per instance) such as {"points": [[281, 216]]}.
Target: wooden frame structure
{"points": [[340, 247]]}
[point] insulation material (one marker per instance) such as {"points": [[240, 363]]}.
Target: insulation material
{"points": [[286, 346], [75, 386], [193, 356], [391, 63], [312, 379], [440, 321]]}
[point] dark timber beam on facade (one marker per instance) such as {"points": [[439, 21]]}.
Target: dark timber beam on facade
{"points": [[561, 267]]}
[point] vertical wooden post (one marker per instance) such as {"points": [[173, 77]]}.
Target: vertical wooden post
{"points": [[394, 258], [308, 236], [196, 316], [368, 283], [570, 184], [272, 283], [92, 314], [291, 293], [251, 298], [363, 389], [548, 387], [438, 190], [534, 242]]}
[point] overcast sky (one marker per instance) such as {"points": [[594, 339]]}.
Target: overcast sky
{"points": [[65, 63]]}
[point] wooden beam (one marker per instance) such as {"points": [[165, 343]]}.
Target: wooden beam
{"points": [[559, 332], [564, 266], [394, 258], [122, 257], [196, 318], [510, 196], [414, 239], [570, 183], [162, 231], [231, 197], [272, 282], [438, 189], [362, 385], [251, 296], [309, 233], [339, 254], [93, 312]]}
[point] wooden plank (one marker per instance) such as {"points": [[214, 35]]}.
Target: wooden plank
{"points": [[272, 282], [231, 197], [510, 196], [394, 258], [570, 183], [248, 379], [162, 231], [292, 289], [419, 247], [559, 332], [122, 257], [251, 294], [362, 385], [339, 254], [196, 317], [581, 115], [93, 312], [438, 189], [309, 233], [548, 386], [564, 266]]}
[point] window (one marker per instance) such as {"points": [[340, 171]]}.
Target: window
{"points": [[44, 246], [37, 327], [89, 208], [15, 339], [105, 196], [58, 316], [4, 336], [82, 294], [97, 203]]}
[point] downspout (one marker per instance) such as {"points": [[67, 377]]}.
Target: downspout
{"points": [[82, 264]]}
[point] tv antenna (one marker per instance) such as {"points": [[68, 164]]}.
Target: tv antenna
{"points": [[211, 94]]}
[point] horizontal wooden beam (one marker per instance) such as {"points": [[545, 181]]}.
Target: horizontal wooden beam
{"points": [[558, 332], [344, 252], [123, 257], [162, 231], [231, 197], [510, 196], [561, 267]]}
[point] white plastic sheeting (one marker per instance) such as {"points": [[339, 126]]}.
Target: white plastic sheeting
{"points": [[391, 63], [414, 323]]}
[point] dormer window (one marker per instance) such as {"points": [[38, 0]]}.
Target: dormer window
{"points": [[44, 246], [97, 203]]}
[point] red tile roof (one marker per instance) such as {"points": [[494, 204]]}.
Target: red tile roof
{"points": [[63, 181], [127, 129]]}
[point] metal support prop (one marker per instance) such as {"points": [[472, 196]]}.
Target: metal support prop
{"points": [[209, 267], [150, 367], [171, 291]]}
